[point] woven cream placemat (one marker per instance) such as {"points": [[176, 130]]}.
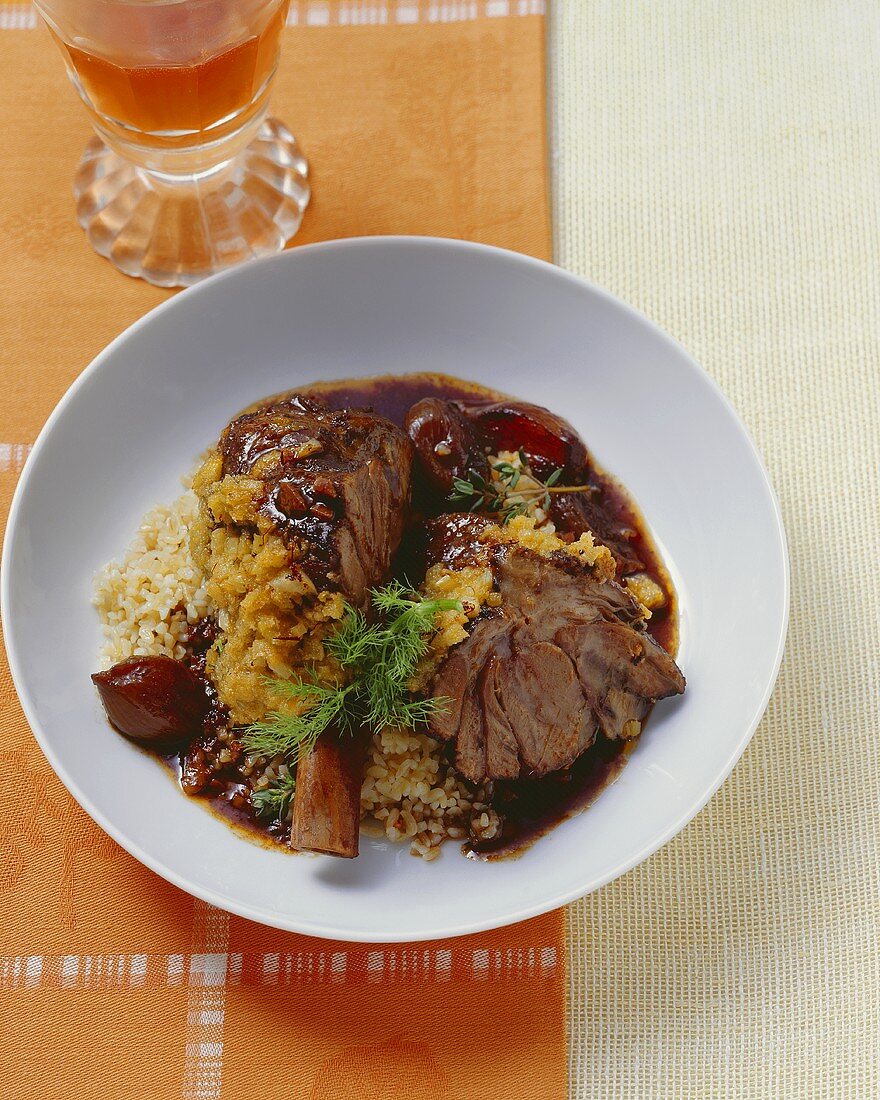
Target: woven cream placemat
{"points": [[718, 166]]}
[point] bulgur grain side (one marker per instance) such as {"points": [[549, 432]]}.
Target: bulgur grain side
{"points": [[148, 599]]}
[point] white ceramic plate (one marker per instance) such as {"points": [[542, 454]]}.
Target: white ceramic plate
{"points": [[140, 414]]}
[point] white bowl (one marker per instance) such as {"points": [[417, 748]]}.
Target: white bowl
{"points": [[136, 419]]}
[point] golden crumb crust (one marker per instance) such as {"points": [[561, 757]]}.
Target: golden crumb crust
{"points": [[272, 619]]}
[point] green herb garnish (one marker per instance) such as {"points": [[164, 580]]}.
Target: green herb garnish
{"points": [[273, 802], [378, 660], [393, 654], [283, 732], [477, 493]]}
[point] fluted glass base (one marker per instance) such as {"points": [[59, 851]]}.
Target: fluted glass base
{"points": [[174, 230]]}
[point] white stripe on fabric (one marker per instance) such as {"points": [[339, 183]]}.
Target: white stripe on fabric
{"points": [[137, 970], [33, 970], [549, 958], [206, 1003], [18, 17], [70, 970], [318, 13], [407, 11], [355, 13], [207, 974], [13, 455]]}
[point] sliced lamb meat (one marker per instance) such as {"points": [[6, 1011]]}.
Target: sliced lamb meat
{"points": [[447, 443], [563, 656], [337, 485]]}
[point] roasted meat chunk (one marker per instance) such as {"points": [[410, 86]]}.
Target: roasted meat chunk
{"points": [[335, 484], [302, 511], [564, 655], [574, 513]]}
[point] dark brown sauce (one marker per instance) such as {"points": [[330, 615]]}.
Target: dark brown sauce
{"points": [[220, 805], [529, 808], [663, 624], [393, 395]]}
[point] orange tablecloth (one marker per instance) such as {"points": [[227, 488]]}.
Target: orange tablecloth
{"points": [[417, 117]]}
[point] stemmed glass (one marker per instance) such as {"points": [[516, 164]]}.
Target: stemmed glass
{"points": [[187, 176]]}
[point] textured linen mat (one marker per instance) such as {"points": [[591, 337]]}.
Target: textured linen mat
{"points": [[417, 118], [718, 165]]}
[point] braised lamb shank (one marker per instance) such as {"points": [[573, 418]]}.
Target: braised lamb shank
{"points": [[337, 488]]}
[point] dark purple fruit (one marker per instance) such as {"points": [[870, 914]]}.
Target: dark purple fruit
{"points": [[548, 442], [154, 700], [446, 441]]}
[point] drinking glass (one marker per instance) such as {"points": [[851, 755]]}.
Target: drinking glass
{"points": [[187, 176]]}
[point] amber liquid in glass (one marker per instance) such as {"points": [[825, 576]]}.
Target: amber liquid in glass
{"points": [[186, 174], [177, 99]]}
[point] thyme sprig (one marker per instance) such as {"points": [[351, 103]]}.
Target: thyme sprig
{"points": [[504, 495], [377, 660], [273, 802]]}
